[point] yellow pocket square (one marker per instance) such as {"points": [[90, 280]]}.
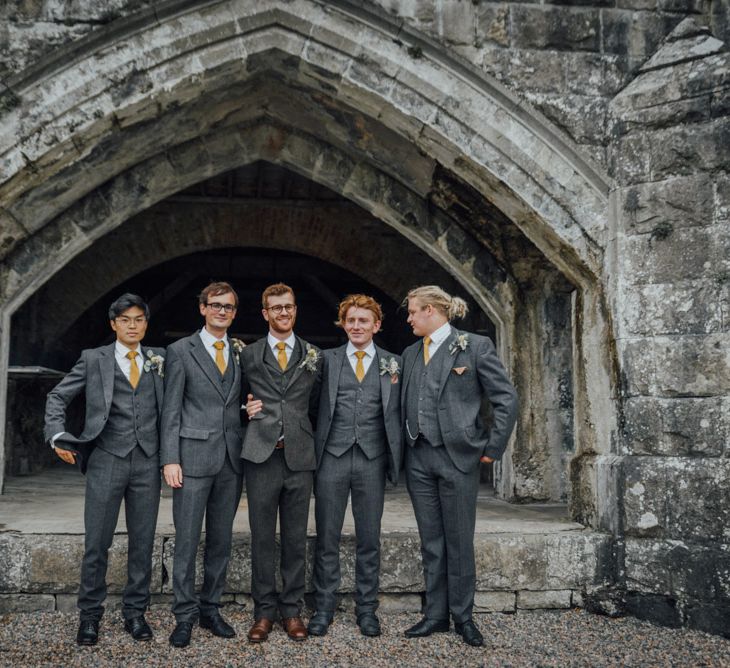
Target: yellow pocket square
{"points": [[459, 370]]}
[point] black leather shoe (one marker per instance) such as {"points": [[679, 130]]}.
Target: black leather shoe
{"points": [[138, 628], [369, 624], [180, 637], [319, 624], [217, 626], [88, 632], [426, 627], [470, 633]]}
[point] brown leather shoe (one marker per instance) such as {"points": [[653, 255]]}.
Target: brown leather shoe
{"points": [[260, 630], [294, 627]]}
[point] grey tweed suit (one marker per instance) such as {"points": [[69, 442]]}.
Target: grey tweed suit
{"points": [[201, 431], [445, 439], [354, 459], [279, 480], [119, 451]]}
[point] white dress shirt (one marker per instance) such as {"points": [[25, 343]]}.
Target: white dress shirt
{"points": [[290, 343], [124, 363], [208, 340], [367, 359], [437, 338]]}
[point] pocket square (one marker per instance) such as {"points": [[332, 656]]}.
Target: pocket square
{"points": [[459, 370]]}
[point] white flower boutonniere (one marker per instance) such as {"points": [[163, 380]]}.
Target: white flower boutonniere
{"points": [[310, 359], [460, 343], [155, 363], [238, 347], [390, 366]]}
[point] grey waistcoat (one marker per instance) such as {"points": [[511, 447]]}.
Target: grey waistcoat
{"points": [[132, 417], [358, 415], [422, 401]]}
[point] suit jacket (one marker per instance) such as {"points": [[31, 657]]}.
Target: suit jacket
{"points": [[332, 361], [200, 422], [289, 409], [460, 397], [93, 374]]}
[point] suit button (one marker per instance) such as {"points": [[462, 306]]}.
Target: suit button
{"points": [[279, 421], [283, 401]]}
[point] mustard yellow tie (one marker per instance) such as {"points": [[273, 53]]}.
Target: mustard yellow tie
{"points": [[220, 361], [133, 369], [359, 366], [281, 355], [426, 354]]}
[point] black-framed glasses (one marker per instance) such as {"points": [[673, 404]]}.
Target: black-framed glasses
{"points": [[217, 306], [289, 308]]}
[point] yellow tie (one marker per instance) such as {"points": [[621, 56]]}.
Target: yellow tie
{"points": [[426, 354], [220, 361], [133, 369], [281, 355], [359, 366]]}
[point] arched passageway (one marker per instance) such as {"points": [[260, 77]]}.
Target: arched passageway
{"points": [[435, 173]]}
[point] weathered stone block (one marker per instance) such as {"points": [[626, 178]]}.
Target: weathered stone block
{"points": [[561, 28], [492, 24], [495, 601], [678, 427], [537, 600], [26, 603], [636, 34], [390, 603]]}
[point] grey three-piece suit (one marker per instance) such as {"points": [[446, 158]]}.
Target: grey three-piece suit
{"points": [[201, 431], [119, 450], [358, 443], [445, 439], [278, 479]]}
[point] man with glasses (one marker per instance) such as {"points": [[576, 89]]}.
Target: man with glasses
{"points": [[119, 451], [281, 373], [201, 454]]}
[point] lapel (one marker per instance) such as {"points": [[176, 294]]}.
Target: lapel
{"points": [[206, 363], [446, 359], [417, 350], [106, 368], [385, 380], [236, 371], [156, 378], [261, 361], [299, 369], [339, 358]]}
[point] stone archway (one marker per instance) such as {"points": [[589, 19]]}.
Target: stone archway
{"points": [[356, 102]]}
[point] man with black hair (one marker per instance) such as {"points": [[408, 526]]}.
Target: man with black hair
{"points": [[119, 451]]}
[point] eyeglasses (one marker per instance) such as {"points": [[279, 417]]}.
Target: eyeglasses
{"points": [[217, 306], [124, 321], [289, 308]]}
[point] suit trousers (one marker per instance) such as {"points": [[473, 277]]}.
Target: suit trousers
{"points": [[216, 498], [273, 488], [444, 501], [109, 479], [351, 474]]}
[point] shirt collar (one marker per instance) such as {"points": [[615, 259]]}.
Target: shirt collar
{"points": [[441, 334], [290, 342], [122, 350], [208, 339], [369, 351]]}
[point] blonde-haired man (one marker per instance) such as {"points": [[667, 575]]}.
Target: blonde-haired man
{"points": [[358, 443], [446, 374]]}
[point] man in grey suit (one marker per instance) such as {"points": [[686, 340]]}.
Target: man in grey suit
{"points": [[445, 377], [358, 443], [201, 454], [281, 373], [119, 451]]}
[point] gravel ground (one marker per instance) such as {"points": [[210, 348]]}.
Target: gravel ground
{"points": [[541, 638]]}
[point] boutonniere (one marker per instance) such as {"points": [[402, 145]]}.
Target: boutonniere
{"points": [[459, 343], [390, 366], [310, 359], [155, 363], [238, 347]]}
